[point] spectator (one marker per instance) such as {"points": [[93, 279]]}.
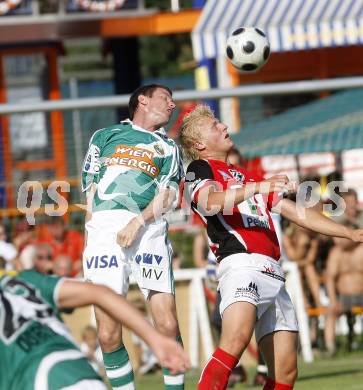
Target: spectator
{"points": [[62, 266], [25, 243], [65, 242], [43, 259], [351, 213], [200, 249], [177, 260], [8, 251], [344, 285], [91, 348], [301, 246]]}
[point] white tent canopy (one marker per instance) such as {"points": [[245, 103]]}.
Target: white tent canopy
{"points": [[289, 24]]}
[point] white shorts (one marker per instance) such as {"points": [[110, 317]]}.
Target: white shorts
{"points": [[148, 260], [257, 279]]}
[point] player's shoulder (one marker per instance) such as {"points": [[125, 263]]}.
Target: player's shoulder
{"points": [[106, 131], [97, 136], [161, 134], [35, 277], [200, 167], [198, 164]]}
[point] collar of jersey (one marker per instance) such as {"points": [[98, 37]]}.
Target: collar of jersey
{"points": [[158, 131]]}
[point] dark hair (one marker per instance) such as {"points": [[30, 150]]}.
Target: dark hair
{"points": [[146, 90]]}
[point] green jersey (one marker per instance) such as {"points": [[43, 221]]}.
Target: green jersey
{"points": [[34, 342], [130, 165]]}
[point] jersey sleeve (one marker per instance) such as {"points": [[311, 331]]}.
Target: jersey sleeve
{"points": [[47, 285], [92, 164], [199, 174], [172, 170]]}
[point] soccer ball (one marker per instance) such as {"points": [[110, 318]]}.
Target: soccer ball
{"points": [[248, 49]]}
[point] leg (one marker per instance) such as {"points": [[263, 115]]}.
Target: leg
{"points": [[100, 242], [279, 350], [239, 374], [261, 372], [312, 279], [329, 331], [238, 323], [108, 330], [163, 311], [115, 356], [351, 321]]}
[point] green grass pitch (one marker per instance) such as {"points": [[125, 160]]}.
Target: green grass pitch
{"points": [[338, 373]]}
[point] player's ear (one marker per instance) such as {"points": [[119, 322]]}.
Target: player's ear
{"points": [[142, 99], [199, 145]]}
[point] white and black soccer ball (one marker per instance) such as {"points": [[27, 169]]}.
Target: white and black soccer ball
{"points": [[248, 49]]}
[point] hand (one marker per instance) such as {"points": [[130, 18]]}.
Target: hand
{"points": [[277, 183], [357, 235], [127, 235], [171, 355], [334, 308]]}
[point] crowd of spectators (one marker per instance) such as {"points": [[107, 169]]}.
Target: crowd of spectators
{"points": [[50, 247], [331, 272]]}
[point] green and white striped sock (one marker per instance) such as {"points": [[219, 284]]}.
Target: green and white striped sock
{"points": [[118, 369], [173, 382]]}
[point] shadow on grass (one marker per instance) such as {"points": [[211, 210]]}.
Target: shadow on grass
{"points": [[327, 374]]}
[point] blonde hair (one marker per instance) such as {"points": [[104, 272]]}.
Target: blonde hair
{"points": [[189, 129]]}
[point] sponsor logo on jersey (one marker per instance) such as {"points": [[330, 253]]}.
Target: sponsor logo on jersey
{"points": [[159, 149], [150, 268], [250, 222], [91, 163], [148, 258], [251, 292], [134, 158], [152, 273], [239, 176], [104, 261]]}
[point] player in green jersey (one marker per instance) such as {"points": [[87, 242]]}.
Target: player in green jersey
{"points": [[37, 351], [131, 174]]}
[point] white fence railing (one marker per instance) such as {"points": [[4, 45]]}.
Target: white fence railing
{"points": [[293, 87]]}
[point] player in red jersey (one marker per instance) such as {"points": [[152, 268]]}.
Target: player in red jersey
{"points": [[235, 206]]}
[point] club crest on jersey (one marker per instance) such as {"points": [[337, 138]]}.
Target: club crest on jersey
{"points": [[237, 175], [159, 149]]}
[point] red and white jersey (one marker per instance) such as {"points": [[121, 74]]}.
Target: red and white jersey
{"points": [[245, 228]]}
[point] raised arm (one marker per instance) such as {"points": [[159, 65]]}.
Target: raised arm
{"points": [[76, 294], [210, 198], [313, 220]]}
